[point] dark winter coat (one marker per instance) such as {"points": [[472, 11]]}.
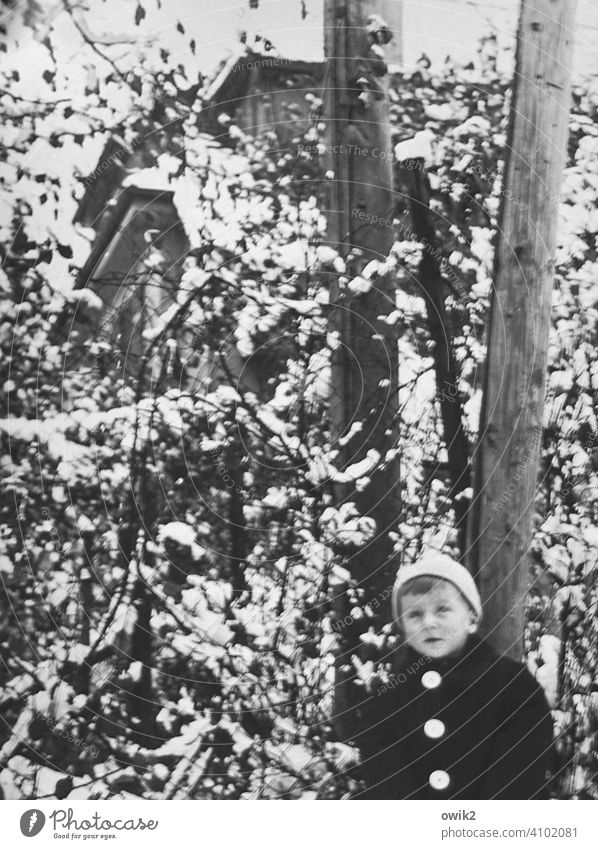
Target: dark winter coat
{"points": [[476, 727]]}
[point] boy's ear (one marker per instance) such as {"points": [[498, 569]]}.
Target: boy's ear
{"points": [[474, 623]]}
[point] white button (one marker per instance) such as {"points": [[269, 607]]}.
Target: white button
{"points": [[431, 679], [434, 728], [439, 779]]}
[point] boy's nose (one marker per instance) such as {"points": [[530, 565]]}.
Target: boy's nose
{"points": [[430, 618]]}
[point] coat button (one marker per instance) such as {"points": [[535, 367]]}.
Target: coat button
{"points": [[439, 779], [434, 728], [431, 679]]}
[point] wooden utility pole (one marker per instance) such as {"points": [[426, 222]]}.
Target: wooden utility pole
{"points": [[365, 360], [365, 363], [507, 455]]}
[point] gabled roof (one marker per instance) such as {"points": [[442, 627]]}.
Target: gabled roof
{"points": [[223, 92], [110, 225], [113, 191], [105, 185], [243, 75]]}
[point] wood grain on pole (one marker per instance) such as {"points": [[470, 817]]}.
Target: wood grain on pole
{"points": [[507, 455], [365, 365]]}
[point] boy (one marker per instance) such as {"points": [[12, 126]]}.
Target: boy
{"points": [[456, 721]]}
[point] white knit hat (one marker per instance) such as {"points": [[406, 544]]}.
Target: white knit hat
{"points": [[437, 565]]}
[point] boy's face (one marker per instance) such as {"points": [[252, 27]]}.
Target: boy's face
{"points": [[438, 622]]}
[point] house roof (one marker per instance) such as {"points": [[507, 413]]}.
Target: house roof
{"points": [[110, 225], [112, 192], [221, 93], [104, 185]]}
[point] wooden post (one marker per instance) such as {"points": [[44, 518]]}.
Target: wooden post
{"points": [[507, 455], [365, 364]]}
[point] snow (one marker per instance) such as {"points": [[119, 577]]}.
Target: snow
{"points": [[326, 255], [272, 422], [561, 381], [359, 285], [472, 410], [47, 779], [86, 298], [371, 269], [481, 245], [421, 146], [160, 324], [346, 527], [84, 524], [376, 25], [158, 177], [316, 554], [556, 559], [339, 577], [590, 534], [180, 746], [474, 126], [345, 755], [441, 111], [294, 256], [296, 758], [76, 461], [275, 497], [408, 306], [580, 459], [20, 732], [355, 428], [178, 532], [358, 470], [547, 671], [25, 429], [6, 565], [304, 307]]}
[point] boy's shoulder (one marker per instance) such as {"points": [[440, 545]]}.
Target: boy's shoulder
{"points": [[498, 662], [502, 663], [510, 678]]}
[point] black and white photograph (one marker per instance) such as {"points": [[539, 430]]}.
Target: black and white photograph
{"points": [[298, 435]]}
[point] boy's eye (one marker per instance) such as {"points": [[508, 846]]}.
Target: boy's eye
{"points": [[444, 608]]}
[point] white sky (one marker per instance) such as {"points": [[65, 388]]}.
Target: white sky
{"points": [[453, 26], [437, 27]]}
